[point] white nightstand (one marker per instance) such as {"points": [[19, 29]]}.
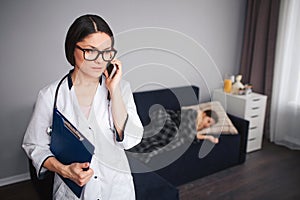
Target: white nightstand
{"points": [[251, 107]]}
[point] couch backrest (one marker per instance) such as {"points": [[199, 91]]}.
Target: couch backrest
{"points": [[170, 98]]}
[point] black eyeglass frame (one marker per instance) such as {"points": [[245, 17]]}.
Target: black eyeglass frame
{"points": [[99, 52]]}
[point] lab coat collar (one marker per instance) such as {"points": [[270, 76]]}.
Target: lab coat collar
{"points": [[70, 83]]}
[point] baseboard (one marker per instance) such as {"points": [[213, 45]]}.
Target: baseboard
{"points": [[14, 179]]}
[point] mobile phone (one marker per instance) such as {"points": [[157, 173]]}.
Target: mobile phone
{"points": [[111, 69]]}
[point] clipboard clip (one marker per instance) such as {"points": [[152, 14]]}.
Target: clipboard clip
{"points": [[49, 130]]}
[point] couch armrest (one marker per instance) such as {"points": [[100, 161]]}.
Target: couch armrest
{"points": [[242, 126]]}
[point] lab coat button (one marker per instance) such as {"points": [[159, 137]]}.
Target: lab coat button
{"points": [[95, 177]]}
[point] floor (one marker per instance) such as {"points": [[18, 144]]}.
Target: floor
{"points": [[270, 173]]}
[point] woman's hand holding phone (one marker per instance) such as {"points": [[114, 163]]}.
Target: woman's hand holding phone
{"points": [[113, 74], [119, 111], [111, 69]]}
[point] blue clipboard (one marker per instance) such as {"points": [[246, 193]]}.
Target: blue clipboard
{"points": [[68, 145]]}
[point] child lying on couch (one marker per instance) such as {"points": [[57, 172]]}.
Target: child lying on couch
{"points": [[206, 119]]}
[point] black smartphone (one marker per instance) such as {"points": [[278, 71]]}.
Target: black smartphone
{"points": [[111, 69]]}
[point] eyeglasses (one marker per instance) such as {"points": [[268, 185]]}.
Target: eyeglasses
{"points": [[93, 54]]}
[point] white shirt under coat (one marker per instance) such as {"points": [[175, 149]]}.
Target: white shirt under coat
{"points": [[112, 177]]}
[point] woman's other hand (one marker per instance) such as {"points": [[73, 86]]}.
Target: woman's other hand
{"points": [[80, 173]]}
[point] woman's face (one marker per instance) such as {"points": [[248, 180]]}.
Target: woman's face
{"points": [[98, 41]]}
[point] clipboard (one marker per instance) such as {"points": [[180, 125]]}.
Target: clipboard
{"points": [[68, 145]]}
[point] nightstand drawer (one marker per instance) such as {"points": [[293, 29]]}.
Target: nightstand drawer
{"points": [[256, 102], [254, 106], [254, 120], [253, 144], [253, 111], [254, 132]]}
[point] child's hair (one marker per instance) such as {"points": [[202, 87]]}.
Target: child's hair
{"points": [[212, 114]]}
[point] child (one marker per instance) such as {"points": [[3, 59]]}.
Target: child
{"points": [[206, 119]]}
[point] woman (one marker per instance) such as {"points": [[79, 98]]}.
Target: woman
{"points": [[206, 119], [100, 106]]}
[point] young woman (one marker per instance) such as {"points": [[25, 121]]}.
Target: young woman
{"points": [[100, 106], [206, 119]]}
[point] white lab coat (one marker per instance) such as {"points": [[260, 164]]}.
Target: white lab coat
{"points": [[112, 177]]}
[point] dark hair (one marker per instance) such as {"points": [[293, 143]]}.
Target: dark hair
{"points": [[212, 114], [82, 27]]}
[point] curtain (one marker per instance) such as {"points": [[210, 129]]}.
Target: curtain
{"points": [[285, 107], [258, 52]]}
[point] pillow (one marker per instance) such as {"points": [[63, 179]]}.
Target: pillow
{"points": [[223, 125]]}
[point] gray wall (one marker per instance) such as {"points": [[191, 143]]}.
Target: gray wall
{"points": [[161, 43]]}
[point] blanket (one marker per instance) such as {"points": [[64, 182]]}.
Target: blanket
{"points": [[167, 130]]}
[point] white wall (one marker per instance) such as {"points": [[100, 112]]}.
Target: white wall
{"points": [[161, 43]]}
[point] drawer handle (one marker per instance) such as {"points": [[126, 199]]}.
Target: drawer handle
{"points": [[255, 108], [254, 127], [254, 116], [256, 99], [251, 139]]}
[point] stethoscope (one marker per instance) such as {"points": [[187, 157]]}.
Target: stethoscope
{"points": [[109, 113]]}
